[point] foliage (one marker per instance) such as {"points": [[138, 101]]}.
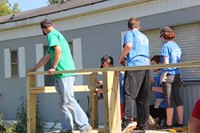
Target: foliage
{"points": [[6, 8], [6, 127], [21, 115], [15, 8]]}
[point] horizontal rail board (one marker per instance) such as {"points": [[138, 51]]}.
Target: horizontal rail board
{"points": [[51, 89], [100, 130], [99, 70]]}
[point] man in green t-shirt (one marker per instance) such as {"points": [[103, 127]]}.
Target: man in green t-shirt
{"points": [[61, 58]]}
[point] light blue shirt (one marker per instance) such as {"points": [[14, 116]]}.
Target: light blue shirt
{"points": [[173, 52], [139, 54]]}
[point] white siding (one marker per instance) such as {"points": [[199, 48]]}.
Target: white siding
{"points": [[77, 53], [7, 63], [21, 63], [188, 38], [39, 55], [155, 42], [122, 38]]}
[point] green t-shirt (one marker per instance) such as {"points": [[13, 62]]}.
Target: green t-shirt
{"points": [[55, 38]]}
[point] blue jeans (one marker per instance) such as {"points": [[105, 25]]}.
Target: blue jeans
{"points": [[69, 106]]}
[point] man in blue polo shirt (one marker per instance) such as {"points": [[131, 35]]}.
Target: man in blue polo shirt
{"points": [[136, 83]]}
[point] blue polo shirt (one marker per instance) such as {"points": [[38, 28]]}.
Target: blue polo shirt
{"points": [[173, 52], [139, 54]]}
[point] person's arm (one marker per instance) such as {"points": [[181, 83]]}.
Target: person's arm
{"points": [[194, 125], [164, 74], [41, 63], [57, 55], [127, 48]]}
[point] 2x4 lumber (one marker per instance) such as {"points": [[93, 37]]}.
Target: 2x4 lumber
{"points": [[112, 119], [94, 121], [148, 67], [31, 105], [52, 89]]}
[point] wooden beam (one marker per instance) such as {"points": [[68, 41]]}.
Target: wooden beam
{"points": [[94, 121], [100, 130], [148, 67], [51, 89], [31, 105], [112, 119]]}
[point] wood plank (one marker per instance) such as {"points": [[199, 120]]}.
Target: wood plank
{"points": [[31, 105], [100, 130], [51, 89], [148, 67], [112, 101], [94, 121]]}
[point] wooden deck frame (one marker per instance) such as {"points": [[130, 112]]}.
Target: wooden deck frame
{"points": [[110, 91]]}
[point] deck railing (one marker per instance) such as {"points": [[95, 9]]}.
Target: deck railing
{"points": [[112, 119]]}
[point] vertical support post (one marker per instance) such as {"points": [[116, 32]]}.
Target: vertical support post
{"points": [[31, 105], [94, 121], [112, 119]]}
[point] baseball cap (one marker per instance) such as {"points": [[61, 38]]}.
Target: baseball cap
{"points": [[165, 29], [106, 58]]}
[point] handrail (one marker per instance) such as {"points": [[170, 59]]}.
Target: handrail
{"points": [[99, 70]]}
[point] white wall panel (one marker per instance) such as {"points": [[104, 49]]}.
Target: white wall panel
{"points": [[39, 55], [77, 53], [21, 63], [7, 63], [122, 38]]}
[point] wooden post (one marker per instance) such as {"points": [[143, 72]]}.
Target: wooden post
{"points": [[94, 121], [112, 119], [31, 105]]}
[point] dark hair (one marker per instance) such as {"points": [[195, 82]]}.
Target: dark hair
{"points": [[156, 58], [46, 23], [134, 23], [167, 32], [108, 59]]}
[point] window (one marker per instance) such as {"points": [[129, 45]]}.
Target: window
{"points": [[71, 47], [14, 63]]}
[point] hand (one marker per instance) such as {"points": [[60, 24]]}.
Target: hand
{"points": [[30, 70], [163, 78], [122, 61], [100, 82], [51, 71]]}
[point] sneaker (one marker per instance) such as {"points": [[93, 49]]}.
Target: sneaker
{"points": [[165, 126], [87, 130], [162, 122], [129, 128], [177, 125]]}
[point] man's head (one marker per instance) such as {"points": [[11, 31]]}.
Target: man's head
{"points": [[45, 25], [134, 23], [167, 33], [155, 60], [107, 61]]}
